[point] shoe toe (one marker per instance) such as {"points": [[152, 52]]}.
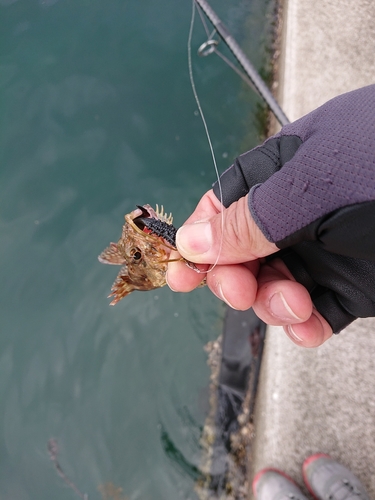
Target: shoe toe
{"points": [[327, 479], [272, 484]]}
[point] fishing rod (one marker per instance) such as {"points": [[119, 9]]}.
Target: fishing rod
{"points": [[251, 76]]}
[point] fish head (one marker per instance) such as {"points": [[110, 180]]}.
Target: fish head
{"points": [[142, 255]]}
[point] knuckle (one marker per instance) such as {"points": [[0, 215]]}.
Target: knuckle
{"points": [[238, 237], [235, 233]]}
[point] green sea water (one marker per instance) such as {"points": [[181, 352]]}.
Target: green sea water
{"points": [[97, 115]]}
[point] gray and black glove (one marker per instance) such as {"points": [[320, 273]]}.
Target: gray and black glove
{"points": [[312, 193]]}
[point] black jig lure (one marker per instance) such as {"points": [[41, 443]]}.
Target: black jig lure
{"points": [[157, 227]]}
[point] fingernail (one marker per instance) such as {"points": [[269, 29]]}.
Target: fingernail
{"points": [[292, 334], [166, 279], [280, 308], [194, 239], [221, 296]]}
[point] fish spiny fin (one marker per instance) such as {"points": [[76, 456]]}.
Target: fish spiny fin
{"points": [[124, 284], [163, 215], [121, 287], [111, 255]]}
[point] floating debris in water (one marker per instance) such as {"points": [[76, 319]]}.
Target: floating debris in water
{"points": [[53, 451], [108, 490]]}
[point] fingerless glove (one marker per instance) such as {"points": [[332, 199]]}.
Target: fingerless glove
{"points": [[312, 193]]}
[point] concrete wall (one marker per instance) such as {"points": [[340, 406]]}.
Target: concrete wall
{"points": [[322, 399]]}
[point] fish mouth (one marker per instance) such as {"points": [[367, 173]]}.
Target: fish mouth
{"points": [[140, 220]]}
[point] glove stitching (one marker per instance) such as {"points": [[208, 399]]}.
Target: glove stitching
{"points": [[271, 155]]}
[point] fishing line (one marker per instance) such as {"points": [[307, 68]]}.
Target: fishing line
{"points": [[207, 135]]}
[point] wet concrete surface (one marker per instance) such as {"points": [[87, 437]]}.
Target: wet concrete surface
{"points": [[323, 399]]}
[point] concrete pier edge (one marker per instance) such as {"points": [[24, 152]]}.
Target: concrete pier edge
{"points": [[323, 399]]}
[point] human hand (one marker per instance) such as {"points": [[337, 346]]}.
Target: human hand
{"points": [[308, 191], [241, 278]]}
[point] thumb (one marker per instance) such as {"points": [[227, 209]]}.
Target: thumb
{"points": [[229, 237]]}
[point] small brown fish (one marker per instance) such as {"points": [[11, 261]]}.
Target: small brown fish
{"points": [[143, 250]]}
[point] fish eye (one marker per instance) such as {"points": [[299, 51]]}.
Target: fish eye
{"points": [[136, 254]]}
